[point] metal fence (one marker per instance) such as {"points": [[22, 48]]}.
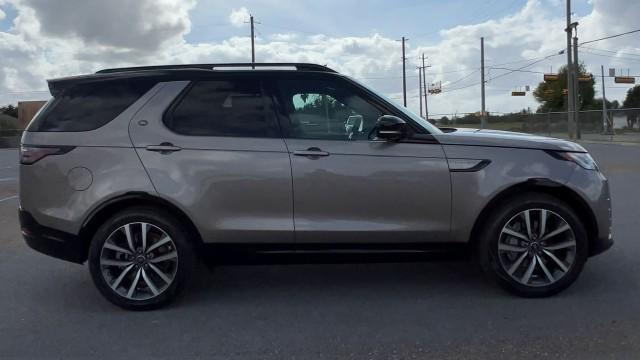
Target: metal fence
{"points": [[621, 125]]}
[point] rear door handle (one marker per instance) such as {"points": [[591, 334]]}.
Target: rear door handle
{"points": [[311, 152], [164, 148]]}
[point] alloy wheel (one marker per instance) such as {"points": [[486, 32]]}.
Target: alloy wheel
{"points": [[537, 247], [139, 261]]}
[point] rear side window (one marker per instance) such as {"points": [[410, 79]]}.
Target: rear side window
{"points": [[235, 108], [88, 106]]}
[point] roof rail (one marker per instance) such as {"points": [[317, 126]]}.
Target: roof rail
{"points": [[297, 66]]}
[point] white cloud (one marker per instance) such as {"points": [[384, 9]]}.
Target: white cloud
{"points": [[141, 24], [2, 15], [238, 17]]}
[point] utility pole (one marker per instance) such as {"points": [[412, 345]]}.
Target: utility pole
{"points": [[424, 84], [420, 88], [605, 119], [404, 74], [483, 117], [253, 49], [570, 96], [576, 84]]}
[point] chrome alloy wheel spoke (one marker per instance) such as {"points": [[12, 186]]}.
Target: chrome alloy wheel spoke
{"points": [[139, 261], [536, 247]]}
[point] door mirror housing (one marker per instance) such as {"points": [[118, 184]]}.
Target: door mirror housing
{"points": [[390, 128]]}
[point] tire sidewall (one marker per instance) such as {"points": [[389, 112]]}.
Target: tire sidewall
{"points": [[504, 212], [164, 221]]}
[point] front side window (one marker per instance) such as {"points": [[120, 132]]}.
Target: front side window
{"points": [[223, 108], [326, 109]]}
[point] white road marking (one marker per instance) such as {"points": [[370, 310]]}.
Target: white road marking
{"points": [[7, 179], [9, 198]]}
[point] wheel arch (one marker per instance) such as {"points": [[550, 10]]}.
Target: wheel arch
{"points": [[550, 187], [132, 199]]}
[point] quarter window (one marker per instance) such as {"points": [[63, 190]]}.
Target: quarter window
{"points": [[88, 106], [224, 108]]}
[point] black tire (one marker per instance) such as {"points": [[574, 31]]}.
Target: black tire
{"points": [[184, 265], [490, 235]]}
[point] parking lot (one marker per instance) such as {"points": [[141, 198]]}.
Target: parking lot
{"points": [[50, 308]]}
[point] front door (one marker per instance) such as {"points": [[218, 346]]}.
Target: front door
{"points": [[218, 154], [348, 187]]}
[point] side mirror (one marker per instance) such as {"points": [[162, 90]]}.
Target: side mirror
{"points": [[390, 128]]}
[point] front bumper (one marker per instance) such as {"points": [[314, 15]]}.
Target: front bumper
{"points": [[601, 245], [52, 242]]}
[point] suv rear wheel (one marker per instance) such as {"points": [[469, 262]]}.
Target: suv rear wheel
{"points": [[140, 258], [534, 245]]}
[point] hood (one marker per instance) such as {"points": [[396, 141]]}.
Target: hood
{"points": [[497, 138]]}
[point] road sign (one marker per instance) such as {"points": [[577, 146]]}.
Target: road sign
{"points": [[518, 93]]}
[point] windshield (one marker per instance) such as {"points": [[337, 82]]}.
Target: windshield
{"points": [[419, 120]]}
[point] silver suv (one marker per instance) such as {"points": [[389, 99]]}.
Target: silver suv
{"points": [[144, 171]]}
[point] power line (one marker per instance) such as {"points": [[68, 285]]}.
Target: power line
{"points": [[516, 70], [610, 51], [525, 66], [464, 77], [523, 60], [611, 56], [610, 37]]}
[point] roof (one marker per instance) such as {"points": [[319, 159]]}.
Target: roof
{"points": [[181, 72], [213, 67]]}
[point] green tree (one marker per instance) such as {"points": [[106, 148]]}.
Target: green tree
{"points": [[597, 105], [633, 98], [632, 103], [549, 93], [9, 110]]}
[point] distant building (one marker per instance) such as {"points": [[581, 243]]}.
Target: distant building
{"points": [[27, 110]]}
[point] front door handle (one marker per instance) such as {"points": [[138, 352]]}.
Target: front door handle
{"points": [[163, 148], [311, 152]]}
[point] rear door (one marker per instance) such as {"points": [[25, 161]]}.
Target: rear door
{"points": [[213, 147], [349, 187]]}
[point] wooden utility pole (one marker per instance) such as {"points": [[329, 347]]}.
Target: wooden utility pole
{"points": [[483, 114], [570, 90], [424, 84], [420, 88], [404, 74], [253, 49], [606, 126], [576, 84]]}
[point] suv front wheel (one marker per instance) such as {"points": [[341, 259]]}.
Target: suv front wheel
{"points": [[140, 258], [534, 245]]}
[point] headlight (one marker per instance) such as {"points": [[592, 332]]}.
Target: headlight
{"points": [[583, 159]]}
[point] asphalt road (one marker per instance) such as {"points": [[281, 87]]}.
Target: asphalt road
{"points": [[50, 309]]}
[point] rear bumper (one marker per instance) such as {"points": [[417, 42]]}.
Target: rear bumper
{"points": [[52, 242]]}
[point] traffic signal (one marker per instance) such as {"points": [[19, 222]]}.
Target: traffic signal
{"points": [[624, 80], [551, 77]]}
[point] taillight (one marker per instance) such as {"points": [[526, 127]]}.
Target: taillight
{"points": [[30, 154]]}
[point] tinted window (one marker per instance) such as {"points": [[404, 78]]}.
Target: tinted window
{"points": [[327, 109], [224, 108], [89, 106]]}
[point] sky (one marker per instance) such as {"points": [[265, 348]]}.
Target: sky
{"points": [[44, 39]]}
